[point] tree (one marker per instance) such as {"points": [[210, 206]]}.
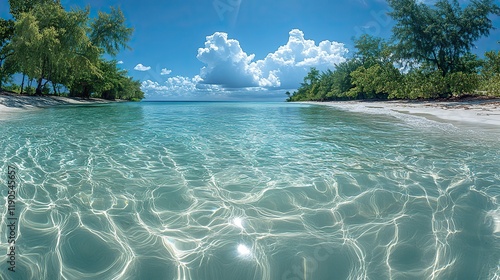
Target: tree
{"points": [[6, 32], [370, 50], [377, 81], [109, 82], [491, 65], [109, 31], [312, 77], [308, 89], [109, 34], [17, 7], [491, 73], [342, 80], [442, 35], [376, 77], [130, 90], [51, 44]]}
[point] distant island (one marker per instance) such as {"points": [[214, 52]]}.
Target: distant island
{"points": [[62, 53], [430, 57]]}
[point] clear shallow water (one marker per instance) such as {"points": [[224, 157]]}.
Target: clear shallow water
{"points": [[248, 191]]}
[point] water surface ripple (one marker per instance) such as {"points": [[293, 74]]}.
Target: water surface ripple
{"points": [[248, 191]]}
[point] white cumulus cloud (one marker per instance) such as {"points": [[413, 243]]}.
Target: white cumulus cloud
{"points": [[177, 86], [229, 66], [173, 84], [287, 66], [119, 62], [230, 72], [165, 71], [140, 67]]}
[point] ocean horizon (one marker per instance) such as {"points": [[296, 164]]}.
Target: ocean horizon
{"points": [[245, 190]]}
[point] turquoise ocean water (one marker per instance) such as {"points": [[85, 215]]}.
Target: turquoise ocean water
{"points": [[242, 191]]}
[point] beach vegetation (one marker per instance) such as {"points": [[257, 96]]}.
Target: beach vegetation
{"points": [[113, 83], [6, 32], [490, 73], [18, 7], [61, 49], [109, 32], [429, 57], [442, 34]]}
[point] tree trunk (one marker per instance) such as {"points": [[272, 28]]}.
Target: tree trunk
{"points": [[86, 92], [39, 87], [22, 84], [55, 88], [1, 78]]}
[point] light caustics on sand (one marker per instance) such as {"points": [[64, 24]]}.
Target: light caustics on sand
{"points": [[250, 191]]}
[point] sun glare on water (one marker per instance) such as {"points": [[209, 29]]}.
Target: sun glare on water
{"points": [[244, 251], [238, 222]]}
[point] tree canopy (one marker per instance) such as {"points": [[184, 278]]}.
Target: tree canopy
{"points": [[6, 32], [109, 31], [441, 35], [17, 7], [51, 45], [430, 56]]}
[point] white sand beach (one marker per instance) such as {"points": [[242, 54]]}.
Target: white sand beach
{"points": [[469, 113], [11, 103]]}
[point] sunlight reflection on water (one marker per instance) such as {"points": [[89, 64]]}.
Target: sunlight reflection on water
{"points": [[249, 191]]}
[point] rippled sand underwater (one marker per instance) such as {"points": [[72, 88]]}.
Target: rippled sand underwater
{"points": [[248, 191]]}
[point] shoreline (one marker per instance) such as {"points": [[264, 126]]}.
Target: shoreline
{"points": [[474, 113], [13, 103]]}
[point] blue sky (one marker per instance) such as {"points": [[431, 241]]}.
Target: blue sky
{"points": [[241, 49]]}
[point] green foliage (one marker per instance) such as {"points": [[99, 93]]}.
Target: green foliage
{"points": [[64, 49], [376, 77], [327, 85], [492, 85], [29, 90], [376, 82], [6, 32], [114, 83], [421, 84], [491, 64], [354, 78], [385, 81], [109, 31], [434, 41], [442, 35], [110, 83], [49, 42], [371, 50], [490, 74], [469, 63], [309, 88], [131, 90], [17, 7], [463, 83], [45, 89], [341, 80], [12, 88]]}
